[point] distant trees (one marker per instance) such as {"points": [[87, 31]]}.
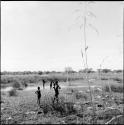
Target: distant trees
{"points": [[40, 72], [99, 70], [104, 70], [46, 72], [118, 71], [69, 70], [89, 70]]}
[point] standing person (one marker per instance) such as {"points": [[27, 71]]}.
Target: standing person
{"points": [[55, 82], [56, 89], [51, 83], [43, 83], [38, 92]]}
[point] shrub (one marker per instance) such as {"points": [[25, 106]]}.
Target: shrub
{"points": [[106, 70], [65, 108], [16, 84], [116, 120], [40, 72], [24, 84], [104, 78], [80, 95], [118, 71], [117, 88], [118, 80], [114, 88], [12, 92], [61, 107], [47, 105], [106, 88], [46, 108]]}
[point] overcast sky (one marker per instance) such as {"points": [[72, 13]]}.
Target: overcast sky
{"points": [[38, 35]]}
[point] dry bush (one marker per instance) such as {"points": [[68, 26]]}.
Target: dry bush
{"points": [[119, 80], [104, 78], [24, 84], [12, 92], [80, 95], [116, 120], [107, 113], [64, 107], [61, 107], [46, 105], [16, 85], [114, 88], [71, 119]]}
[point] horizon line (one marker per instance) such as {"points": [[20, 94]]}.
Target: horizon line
{"points": [[58, 70]]}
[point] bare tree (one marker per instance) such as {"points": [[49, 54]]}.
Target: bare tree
{"points": [[83, 26]]}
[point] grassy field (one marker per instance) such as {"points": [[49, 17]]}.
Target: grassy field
{"points": [[8, 80], [74, 106]]}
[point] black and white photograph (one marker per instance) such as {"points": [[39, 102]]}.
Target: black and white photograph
{"points": [[62, 62]]}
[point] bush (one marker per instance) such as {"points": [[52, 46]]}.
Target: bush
{"points": [[46, 108], [80, 95], [118, 80], [104, 78], [24, 84], [117, 88], [12, 92], [106, 70], [16, 84], [64, 108], [114, 88], [61, 107]]}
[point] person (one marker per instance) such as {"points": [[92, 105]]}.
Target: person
{"points": [[51, 83], [55, 82], [56, 89], [38, 92], [43, 83]]}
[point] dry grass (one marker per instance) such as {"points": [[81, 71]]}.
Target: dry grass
{"points": [[66, 111], [74, 106]]}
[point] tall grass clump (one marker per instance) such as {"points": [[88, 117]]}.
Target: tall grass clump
{"points": [[62, 107]]}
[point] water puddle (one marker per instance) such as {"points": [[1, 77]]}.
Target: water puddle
{"points": [[29, 88], [6, 89]]}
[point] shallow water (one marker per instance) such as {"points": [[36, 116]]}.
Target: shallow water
{"points": [[6, 89], [29, 88]]}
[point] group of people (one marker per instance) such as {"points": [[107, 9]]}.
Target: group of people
{"points": [[56, 88]]}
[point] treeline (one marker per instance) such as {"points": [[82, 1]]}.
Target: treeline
{"points": [[27, 72], [69, 70], [27, 79]]}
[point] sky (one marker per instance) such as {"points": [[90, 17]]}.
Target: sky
{"points": [[41, 35]]}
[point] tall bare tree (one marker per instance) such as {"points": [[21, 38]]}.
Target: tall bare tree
{"points": [[83, 26]]}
